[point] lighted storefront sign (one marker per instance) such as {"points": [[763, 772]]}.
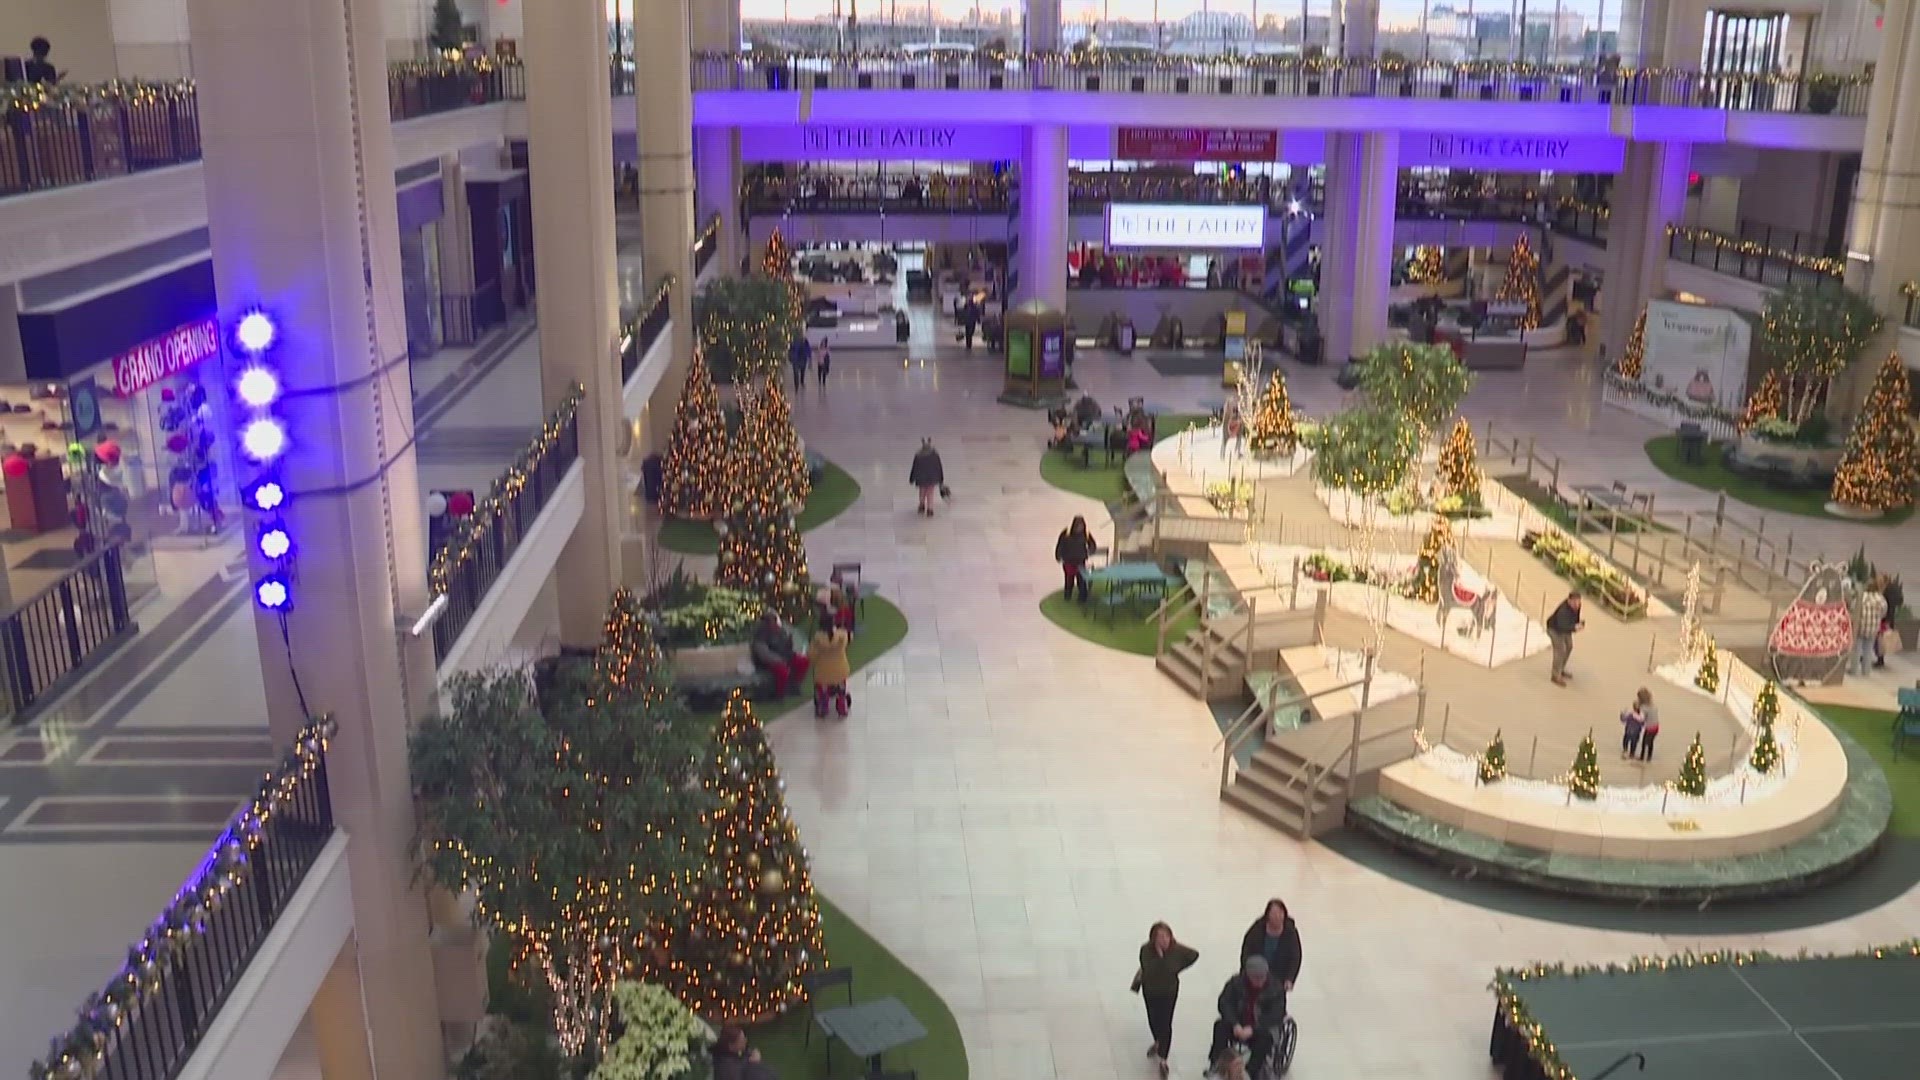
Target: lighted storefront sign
{"points": [[1137, 225], [1513, 153], [1197, 144], [164, 357]]}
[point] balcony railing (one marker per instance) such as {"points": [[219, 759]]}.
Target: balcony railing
{"points": [[706, 244], [639, 335], [476, 553], [54, 137], [1750, 260], [1290, 77], [51, 638], [147, 1021]]}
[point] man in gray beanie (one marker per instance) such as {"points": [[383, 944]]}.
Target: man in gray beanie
{"points": [[1252, 1007]]}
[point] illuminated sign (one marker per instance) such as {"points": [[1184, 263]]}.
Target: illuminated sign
{"points": [[1198, 144], [1138, 225], [163, 357]]}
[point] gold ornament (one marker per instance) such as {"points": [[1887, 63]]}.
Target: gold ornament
{"points": [[772, 881]]}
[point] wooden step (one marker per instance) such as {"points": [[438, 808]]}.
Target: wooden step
{"points": [[1181, 669], [1285, 791]]}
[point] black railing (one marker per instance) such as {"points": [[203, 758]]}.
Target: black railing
{"points": [[1749, 261], [705, 245], [80, 133], [1911, 290], [51, 638], [641, 333], [146, 1023], [476, 553]]}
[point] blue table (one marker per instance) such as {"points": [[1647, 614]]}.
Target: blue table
{"points": [[1138, 578]]}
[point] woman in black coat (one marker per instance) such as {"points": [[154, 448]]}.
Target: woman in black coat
{"points": [[1071, 551], [927, 474], [1157, 981], [1274, 937]]}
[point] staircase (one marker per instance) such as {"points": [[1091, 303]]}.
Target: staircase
{"points": [[1211, 662], [1273, 788]]}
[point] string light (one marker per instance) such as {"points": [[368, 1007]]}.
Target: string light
{"points": [[1708, 677], [1272, 431], [1493, 760], [1766, 401], [1818, 264], [1522, 283], [1693, 770], [1583, 780], [471, 533], [1878, 469], [1766, 748], [1460, 465], [693, 476], [761, 551]]}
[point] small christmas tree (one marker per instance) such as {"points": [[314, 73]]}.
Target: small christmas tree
{"points": [[694, 471], [1693, 770], [1427, 266], [1460, 464], [1708, 678], [449, 28], [760, 548], [1634, 357], [1766, 747], [1425, 584], [1878, 471], [1273, 428], [1522, 284], [777, 260], [749, 931], [1690, 632], [1766, 402], [1584, 779], [1493, 760]]}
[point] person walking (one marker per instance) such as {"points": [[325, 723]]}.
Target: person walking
{"points": [[800, 354], [831, 669], [1869, 613], [969, 321], [1561, 626], [1895, 596], [826, 361], [1071, 551], [927, 474], [1649, 722], [1157, 981], [1632, 723]]}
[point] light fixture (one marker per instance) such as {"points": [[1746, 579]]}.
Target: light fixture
{"points": [[273, 594], [255, 332], [258, 387], [1293, 206], [263, 439], [267, 495], [275, 543]]}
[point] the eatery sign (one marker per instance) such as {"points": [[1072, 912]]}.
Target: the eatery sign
{"points": [[880, 142], [167, 355], [1527, 153], [1197, 144], [1178, 226]]}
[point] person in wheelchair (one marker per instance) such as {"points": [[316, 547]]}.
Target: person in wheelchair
{"points": [[1253, 1007]]}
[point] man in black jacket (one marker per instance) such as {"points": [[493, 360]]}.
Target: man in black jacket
{"points": [[1252, 1008], [1560, 629]]}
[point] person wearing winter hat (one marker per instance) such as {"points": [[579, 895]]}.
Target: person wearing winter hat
{"points": [[1252, 1008]]}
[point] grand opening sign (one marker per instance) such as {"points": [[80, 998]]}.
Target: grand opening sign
{"points": [[1180, 226], [1197, 144], [164, 357]]}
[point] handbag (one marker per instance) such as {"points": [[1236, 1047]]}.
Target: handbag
{"points": [[946, 493], [1889, 641]]}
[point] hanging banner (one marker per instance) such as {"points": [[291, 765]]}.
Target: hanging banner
{"points": [[163, 357], [1197, 144], [1186, 227]]}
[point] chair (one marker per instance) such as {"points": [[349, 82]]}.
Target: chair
{"points": [[824, 980], [847, 576], [1906, 726]]}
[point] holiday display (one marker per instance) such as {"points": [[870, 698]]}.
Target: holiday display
{"points": [[588, 821], [768, 430], [1877, 472], [1814, 636], [746, 326], [1690, 632], [1766, 747], [694, 471], [1633, 358], [1493, 760], [1584, 779], [1421, 383], [1273, 431], [1814, 332], [1522, 283], [1425, 584], [1427, 266], [659, 1038], [748, 930], [1765, 402], [1693, 770], [760, 548], [1460, 464], [777, 260], [1708, 677]]}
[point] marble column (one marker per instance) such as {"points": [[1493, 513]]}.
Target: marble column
{"points": [[300, 207], [1883, 234], [1356, 242], [1042, 257], [717, 167], [1649, 194], [664, 98], [1043, 26]]}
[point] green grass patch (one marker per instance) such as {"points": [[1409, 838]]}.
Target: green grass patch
{"points": [[832, 494], [1128, 632], [1099, 480], [881, 628], [1873, 729], [1713, 475], [877, 973]]}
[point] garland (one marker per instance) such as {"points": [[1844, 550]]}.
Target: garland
{"points": [[1664, 399], [464, 545], [1833, 268]]}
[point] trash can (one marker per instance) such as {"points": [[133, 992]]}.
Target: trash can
{"points": [[1123, 334], [1693, 444]]}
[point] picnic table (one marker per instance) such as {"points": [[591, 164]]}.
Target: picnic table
{"points": [[1093, 437], [870, 1028], [1133, 578]]}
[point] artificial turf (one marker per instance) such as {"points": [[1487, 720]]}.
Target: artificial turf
{"points": [[1100, 480], [1873, 729], [1713, 475], [880, 628], [832, 494], [1133, 633]]}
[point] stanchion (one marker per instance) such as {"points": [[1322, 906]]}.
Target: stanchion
{"points": [[1533, 756]]}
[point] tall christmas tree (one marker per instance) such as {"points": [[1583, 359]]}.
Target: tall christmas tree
{"points": [[1693, 770], [1634, 357], [760, 549], [1522, 283], [1493, 760], [777, 260], [748, 931], [1273, 430], [1584, 778], [1766, 401], [768, 429], [1708, 678], [1878, 470], [693, 474], [1766, 746], [1425, 585], [1460, 464]]}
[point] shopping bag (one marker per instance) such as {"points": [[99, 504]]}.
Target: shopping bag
{"points": [[1889, 641]]}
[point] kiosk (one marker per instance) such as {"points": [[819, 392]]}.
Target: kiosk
{"points": [[1038, 356]]}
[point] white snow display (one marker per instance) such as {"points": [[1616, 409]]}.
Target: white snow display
{"points": [[1197, 452], [1350, 509]]}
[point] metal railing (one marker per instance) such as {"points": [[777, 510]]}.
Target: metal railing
{"points": [[1911, 290], [476, 554], [146, 1023], [50, 638], [639, 335], [706, 245], [1750, 260], [414, 90], [1291, 78]]}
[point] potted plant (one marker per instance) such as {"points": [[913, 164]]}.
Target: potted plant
{"points": [[1823, 95]]}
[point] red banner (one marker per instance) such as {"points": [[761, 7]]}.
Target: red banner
{"points": [[1198, 144], [167, 355]]}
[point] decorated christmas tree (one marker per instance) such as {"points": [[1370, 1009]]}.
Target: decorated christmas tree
{"points": [[1460, 464], [1634, 357], [1522, 283], [1493, 760], [1425, 584], [777, 260], [760, 547], [1693, 770], [694, 471], [1766, 746], [768, 430], [1878, 470], [1766, 401], [748, 931], [1708, 678], [1584, 779], [1273, 428], [1427, 266]]}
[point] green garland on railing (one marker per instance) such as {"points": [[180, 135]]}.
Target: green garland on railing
{"points": [[33, 97], [463, 546], [1818, 264]]}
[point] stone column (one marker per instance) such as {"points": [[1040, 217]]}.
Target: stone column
{"points": [[1649, 195], [1885, 224], [1356, 245], [1043, 26], [570, 167], [664, 98], [338, 1021], [300, 207], [717, 166], [1358, 27], [1042, 258]]}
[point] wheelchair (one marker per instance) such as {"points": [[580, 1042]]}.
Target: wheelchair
{"points": [[1286, 1038]]}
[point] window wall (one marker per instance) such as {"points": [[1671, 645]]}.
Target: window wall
{"points": [[833, 25], [1533, 31]]}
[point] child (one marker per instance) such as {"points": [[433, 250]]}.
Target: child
{"points": [[1632, 723], [831, 670]]}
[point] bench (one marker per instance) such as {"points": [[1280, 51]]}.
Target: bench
{"points": [[708, 687]]}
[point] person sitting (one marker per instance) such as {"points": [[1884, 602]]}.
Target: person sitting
{"points": [[1064, 428], [1252, 1007], [1086, 411], [773, 651], [733, 1059]]}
